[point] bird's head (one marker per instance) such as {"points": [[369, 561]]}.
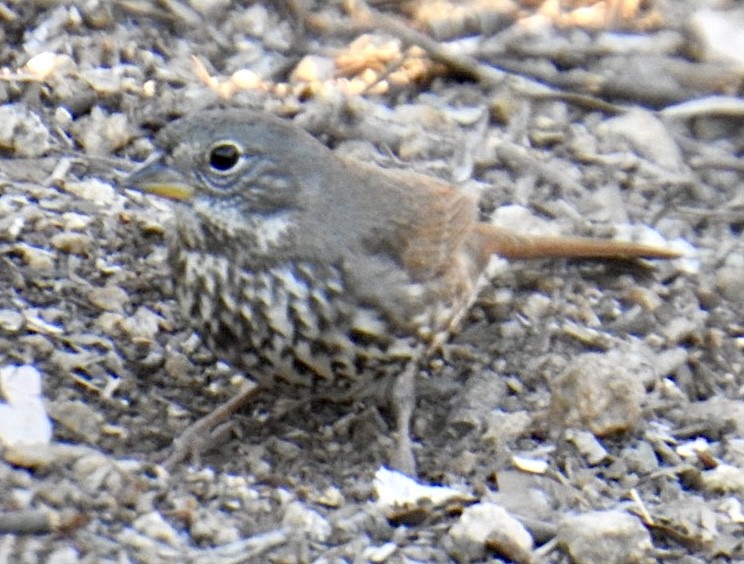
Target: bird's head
{"points": [[235, 173]]}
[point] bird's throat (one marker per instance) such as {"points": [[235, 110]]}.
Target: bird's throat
{"points": [[233, 232]]}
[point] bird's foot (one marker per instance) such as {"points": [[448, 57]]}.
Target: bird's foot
{"points": [[193, 441]]}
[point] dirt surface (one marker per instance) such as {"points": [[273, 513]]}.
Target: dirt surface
{"points": [[586, 412]]}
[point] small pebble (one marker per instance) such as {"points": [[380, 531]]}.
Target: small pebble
{"points": [[641, 458], [154, 526], [610, 537], [100, 133], [109, 298], [485, 526], [647, 135], [22, 132], [213, 527], [75, 243], [380, 553], [601, 392], [588, 446], [298, 517], [724, 478], [11, 320], [93, 190], [36, 258], [79, 419]]}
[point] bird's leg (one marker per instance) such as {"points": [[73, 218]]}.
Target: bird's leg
{"points": [[403, 401], [193, 440]]}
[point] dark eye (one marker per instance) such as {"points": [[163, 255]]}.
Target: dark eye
{"points": [[224, 156]]}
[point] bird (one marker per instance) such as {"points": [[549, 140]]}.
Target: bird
{"points": [[314, 273]]}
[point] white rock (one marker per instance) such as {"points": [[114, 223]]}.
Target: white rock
{"points": [[724, 478], [720, 34], [10, 320], [396, 490], [23, 418], [488, 523]]}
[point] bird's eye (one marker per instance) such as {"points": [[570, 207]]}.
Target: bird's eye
{"points": [[224, 156]]}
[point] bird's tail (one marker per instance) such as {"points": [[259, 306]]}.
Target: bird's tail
{"points": [[508, 244]]}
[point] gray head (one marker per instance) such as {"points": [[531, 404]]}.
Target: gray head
{"points": [[237, 158], [238, 174]]}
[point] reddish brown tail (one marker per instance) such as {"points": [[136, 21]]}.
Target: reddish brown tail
{"points": [[512, 245]]}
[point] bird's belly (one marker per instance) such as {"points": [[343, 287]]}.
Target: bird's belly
{"points": [[291, 323]]}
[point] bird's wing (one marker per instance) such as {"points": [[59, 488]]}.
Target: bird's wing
{"points": [[430, 221], [438, 234]]}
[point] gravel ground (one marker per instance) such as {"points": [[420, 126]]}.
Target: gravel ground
{"points": [[587, 411]]}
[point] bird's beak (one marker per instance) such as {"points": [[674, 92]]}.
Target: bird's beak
{"points": [[154, 177]]}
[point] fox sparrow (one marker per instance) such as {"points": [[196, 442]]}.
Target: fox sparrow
{"points": [[315, 273]]}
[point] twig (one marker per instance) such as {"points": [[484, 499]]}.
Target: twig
{"points": [[468, 66]]}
